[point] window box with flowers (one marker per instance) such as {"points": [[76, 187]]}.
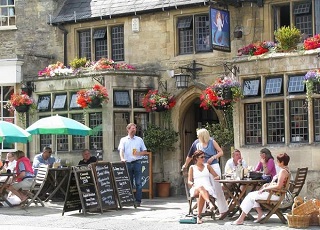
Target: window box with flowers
{"points": [[312, 81], [57, 69], [92, 98], [222, 94], [257, 48], [159, 102]]}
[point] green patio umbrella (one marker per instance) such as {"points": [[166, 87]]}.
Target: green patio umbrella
{"points": [[11, 133], [58, 125]]}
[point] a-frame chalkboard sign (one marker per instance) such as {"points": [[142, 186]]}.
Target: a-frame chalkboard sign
{"points": [[123, 184], [81, 191], [105, 184]]}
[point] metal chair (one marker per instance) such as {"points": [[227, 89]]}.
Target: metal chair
{"points": [[36, 187]]}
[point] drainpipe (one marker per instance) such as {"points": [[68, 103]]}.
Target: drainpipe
{"points": [[65, 35]]}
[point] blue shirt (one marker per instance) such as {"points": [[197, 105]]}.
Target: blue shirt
{"points": [[127, 144], [209, 151], [38, 160]]}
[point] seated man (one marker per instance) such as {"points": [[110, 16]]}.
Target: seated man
{"points": [[43, 158], [233, 162], [87, 158]]}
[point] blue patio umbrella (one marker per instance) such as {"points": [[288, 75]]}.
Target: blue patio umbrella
{"points": [[11, 133]]}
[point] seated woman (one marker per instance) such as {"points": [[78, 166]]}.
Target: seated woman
{"points": [[278, 182], [24, 178], [199, 180], [9, 165], [266, 163]]}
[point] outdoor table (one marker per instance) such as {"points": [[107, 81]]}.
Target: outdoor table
{"points": [[57, 177], [236, 190], [3, 187]]}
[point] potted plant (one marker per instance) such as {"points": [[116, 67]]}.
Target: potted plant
{"points": [[222, 94], [288, 38], [312, 81], [106, 64], [92, 98], [159, 102], [160, 139]]}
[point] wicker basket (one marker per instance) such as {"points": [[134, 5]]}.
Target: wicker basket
{"points": [[303, 208], [314, 219], [298, 221]]}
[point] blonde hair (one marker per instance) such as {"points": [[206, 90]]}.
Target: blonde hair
{"points": [[131, 124], [203, 135]]}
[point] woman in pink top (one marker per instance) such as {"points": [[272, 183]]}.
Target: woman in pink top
{"points": [[266, 163]]}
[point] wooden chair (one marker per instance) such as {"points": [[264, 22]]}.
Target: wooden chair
{"points": [[190, 199], [297, 184], [273, 206], [36, 187]]}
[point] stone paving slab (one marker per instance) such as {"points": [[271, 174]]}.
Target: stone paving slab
{"points": [[154, 214]]}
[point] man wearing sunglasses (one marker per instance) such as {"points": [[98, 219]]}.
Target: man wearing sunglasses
{"points": [[43, 158]]}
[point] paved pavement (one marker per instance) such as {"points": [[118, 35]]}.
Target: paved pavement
{"points": [[155, 214]]}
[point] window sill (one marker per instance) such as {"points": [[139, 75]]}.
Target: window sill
{"points": [[8, 28]]}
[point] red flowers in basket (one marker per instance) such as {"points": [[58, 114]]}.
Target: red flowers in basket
{"points": [[92, 97], [156, 101], [18, 99]]}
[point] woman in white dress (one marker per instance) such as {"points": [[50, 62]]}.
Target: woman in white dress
{"points": [[199, 181]]}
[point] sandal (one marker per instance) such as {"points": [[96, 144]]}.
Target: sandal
{"points": [[199, 221]]}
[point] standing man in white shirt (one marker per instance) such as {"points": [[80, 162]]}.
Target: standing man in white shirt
{"points": [[131, 149]]}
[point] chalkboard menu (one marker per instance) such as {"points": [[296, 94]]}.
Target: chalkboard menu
{"points": [[72, 200], [86, 191], [105, 185], [123, 184], [146, 178]]}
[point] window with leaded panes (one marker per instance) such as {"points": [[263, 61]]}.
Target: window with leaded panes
{"points": [[100, 42], [62, 140], [298, 121], [141, 120], [7, 13], [275, 122], [253, 123], [316, 119], [45, 139], [85, 44], [120, 122], [78, 142], [297, 13], [138, 98], [117, 43], [95, 123], [193, 34]]}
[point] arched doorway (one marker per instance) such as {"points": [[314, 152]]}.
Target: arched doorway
{"points": [[189, 116]]}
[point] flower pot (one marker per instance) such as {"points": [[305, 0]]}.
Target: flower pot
{"points": [[161, 108], [163, 189], [95, 103], [22, 108]]}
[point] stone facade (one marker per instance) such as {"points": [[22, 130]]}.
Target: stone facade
{"points": [[154, 49]]}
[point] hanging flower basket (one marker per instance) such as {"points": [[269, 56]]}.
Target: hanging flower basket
{"points": [[312, 81], [22, 108], [222, 94], [95, 103], [158, 102], [92, 98]]}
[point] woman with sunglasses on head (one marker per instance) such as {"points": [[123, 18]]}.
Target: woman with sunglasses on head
{"points": [[199, 181], [279, 182]]}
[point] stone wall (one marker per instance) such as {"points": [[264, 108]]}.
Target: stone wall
{"points": [[34, 41]]}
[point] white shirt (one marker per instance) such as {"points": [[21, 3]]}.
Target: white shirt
{"points": [[230, 166]]}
